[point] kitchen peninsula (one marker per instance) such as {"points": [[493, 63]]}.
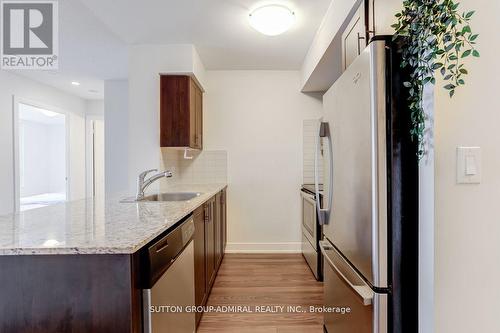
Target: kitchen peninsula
{"points": [[79, 266]]}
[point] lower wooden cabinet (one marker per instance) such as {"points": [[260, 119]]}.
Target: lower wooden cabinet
{"points": [[218, 229], [200, 286], [210, 242]]}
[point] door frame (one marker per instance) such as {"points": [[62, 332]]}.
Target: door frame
{"points": [[16, 100], [89, 153]]}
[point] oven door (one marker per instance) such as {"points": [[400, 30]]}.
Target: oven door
{"points": [[309, 222], [355, 307]]}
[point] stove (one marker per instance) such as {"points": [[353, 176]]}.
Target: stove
{"points": [[311, 230]]}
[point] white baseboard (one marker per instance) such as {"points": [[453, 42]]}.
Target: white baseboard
{"points": [[289, 247]]}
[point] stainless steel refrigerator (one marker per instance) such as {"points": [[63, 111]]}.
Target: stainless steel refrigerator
{"points": [[370, 197]]}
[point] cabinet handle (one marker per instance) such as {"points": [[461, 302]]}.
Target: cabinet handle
{"points": [[206, 216]]}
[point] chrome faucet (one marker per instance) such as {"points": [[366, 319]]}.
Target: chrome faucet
{"points": [[143, 183]]}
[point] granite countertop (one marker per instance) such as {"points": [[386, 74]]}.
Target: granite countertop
{"points": [[93, 226]]}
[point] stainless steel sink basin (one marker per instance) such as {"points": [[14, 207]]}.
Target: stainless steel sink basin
{"points": [[172, 196], [168, 196]]}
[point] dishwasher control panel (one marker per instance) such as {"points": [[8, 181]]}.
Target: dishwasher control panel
{"points": [[187, 230], [164, 251]]}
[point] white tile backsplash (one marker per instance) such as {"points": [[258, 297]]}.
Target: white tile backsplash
{"points": [[206, 167], [309, 134]]}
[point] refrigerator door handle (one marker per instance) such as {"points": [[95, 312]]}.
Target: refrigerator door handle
{"points": [[324, 213], [346, 273]]}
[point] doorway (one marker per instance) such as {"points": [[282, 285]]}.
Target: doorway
{"points": [[42, 157], [95, 156]]}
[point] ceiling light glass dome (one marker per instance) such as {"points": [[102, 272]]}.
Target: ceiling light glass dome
{"points": [[272, 20]]}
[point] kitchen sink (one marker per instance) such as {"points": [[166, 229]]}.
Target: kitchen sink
{"points": [[172, 196], [168, 196]]}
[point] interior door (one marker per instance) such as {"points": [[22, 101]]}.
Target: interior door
{"points": [[355, 111]]}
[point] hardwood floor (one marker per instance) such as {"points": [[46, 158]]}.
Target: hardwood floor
{"points": [[255, 280]]}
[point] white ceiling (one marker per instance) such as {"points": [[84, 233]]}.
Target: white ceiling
{"points": [[88, 53], [94, 36], [218, 28]]}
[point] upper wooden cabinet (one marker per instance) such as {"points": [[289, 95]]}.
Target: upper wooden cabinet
{"points": [[181, 112], [354, 37]]}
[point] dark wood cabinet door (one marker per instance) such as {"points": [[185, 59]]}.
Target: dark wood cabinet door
{"points": [[218, 230], [181, 112], [174, 111], [193, 92], [96, 293], [200, 284], [198, 118], [223, 214], [210, 242]]}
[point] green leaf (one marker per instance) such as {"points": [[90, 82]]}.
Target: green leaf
{"points": [[475, 53], [466, 29], [449, 86], [452, 92], [463, 71], [407, 84], [466, 53], [473, 37], [437, 65], [469, 14]]}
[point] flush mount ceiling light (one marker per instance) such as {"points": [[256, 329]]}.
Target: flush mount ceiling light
{"points": [[75, 83], [272, 20]]}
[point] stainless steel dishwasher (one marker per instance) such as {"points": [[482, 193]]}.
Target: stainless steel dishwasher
{"points": [[169, 282]]}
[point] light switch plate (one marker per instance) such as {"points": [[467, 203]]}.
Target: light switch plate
{"points": [[468, 165]]}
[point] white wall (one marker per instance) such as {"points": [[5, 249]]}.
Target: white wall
{"points": [[116, 138], [94, 107], [36, 170], [44, 158], [146, 62], [257, 117], [10, 85], [467, 216], [57, 156]]}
